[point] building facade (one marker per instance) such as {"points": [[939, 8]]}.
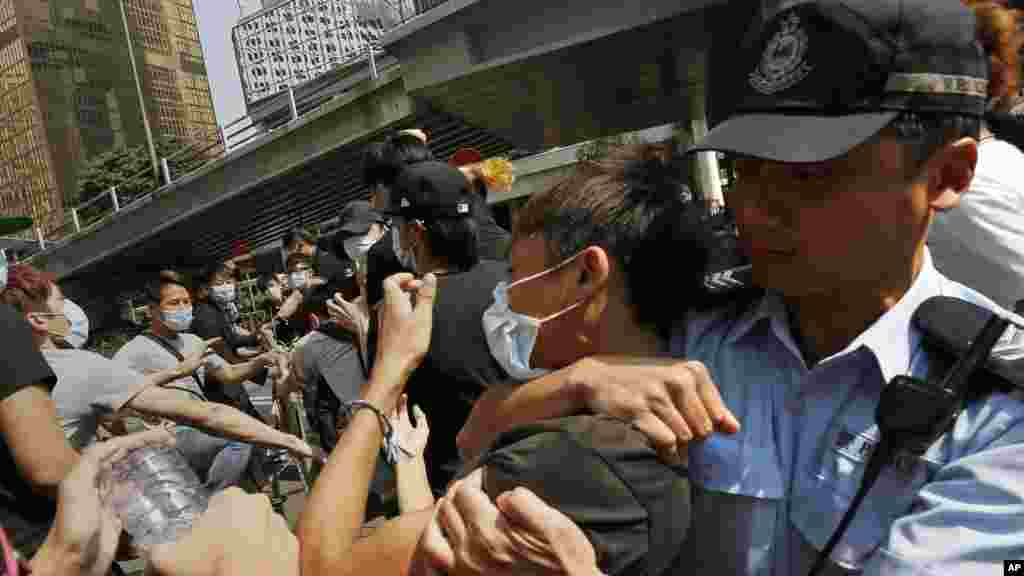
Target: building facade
{"points": [[67, 92], [290, 42]]}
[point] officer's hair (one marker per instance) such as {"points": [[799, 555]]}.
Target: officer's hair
{"points": [[633, 205], [999, 34], [925, 134], [165, 278]]}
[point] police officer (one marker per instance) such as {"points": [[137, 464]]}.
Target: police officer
{"points": [[857, 123]]}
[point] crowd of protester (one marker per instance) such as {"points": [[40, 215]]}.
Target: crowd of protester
{"points": [[571, 395]]}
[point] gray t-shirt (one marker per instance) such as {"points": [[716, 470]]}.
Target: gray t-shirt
{"points": [[146, 356], [89, 387], [337, 360]]}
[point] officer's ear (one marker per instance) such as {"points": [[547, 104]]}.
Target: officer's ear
{"points": [[950, 172]]}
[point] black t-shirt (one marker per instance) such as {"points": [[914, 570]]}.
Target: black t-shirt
{"points": [[602, 474], [25, 516], [493, 241], [458, 365], [381, 262], [208, 322]]}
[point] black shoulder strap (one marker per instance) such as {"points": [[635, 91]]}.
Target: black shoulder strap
{"points": [[174, 352]]}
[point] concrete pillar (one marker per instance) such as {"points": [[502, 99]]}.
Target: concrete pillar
{"points": [[705, 164]]}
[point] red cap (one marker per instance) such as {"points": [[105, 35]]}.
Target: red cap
{"points": [[464, 156]]}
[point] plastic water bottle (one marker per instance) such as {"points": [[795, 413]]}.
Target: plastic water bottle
{"points": [[155, 493]]}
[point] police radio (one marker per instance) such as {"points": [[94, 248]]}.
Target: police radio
{"points": [[952, 329], [934, 403]]}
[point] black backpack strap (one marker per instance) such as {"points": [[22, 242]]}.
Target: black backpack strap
{"points": [[174, 352]]}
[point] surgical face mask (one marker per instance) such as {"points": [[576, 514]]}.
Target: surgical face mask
{"points": [[178, 320], [57, 325], [405, 257], [512, 336], [297, 280], [3, 270], [225, 293], [79, 332], [358, 246]]}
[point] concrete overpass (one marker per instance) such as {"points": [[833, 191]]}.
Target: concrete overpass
{"points": [[299, 174], [547, 76], [543, 74]]}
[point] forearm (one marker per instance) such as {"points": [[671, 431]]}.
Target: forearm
{"points": [[505, 406], [290, 306], [164, 377], [55, 559], [332, 517], [231, 423], [238, 373], [414, 492]]}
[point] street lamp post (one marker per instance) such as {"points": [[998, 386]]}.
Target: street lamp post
{"points": [[138, 89]]}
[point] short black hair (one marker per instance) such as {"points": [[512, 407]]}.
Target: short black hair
{"points": [[925, 134], [456, 241], [165, 278], [263, 283], [382, 161], [206, 274], [632, 204], [297, 234]]}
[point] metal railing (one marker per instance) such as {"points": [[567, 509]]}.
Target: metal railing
{"points": [[85, 216]]}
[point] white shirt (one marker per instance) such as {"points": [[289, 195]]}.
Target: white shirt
{"points": [[981, 243]]}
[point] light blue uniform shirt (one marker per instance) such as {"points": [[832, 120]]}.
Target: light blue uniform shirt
{"points": [[767, 499]]}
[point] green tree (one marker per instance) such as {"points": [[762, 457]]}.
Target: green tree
{"points": [[131, 171], [597, 149]]}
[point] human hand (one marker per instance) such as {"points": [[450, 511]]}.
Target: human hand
{"points": [[194, 361], [518, 534], [411, 438], [415, 132], [351, 316], [239, 535], [85, 534], [315, 282], [405, 321], [671, 402]]}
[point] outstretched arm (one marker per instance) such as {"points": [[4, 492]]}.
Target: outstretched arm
{"points": [[330, 523], [218, 419]]}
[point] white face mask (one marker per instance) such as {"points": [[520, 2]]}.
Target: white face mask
{"points": [[512, 336], [225, 293], [79, 333], [297, 280], [358, 246], [405, 257]]}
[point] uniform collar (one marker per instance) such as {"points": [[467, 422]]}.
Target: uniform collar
{"points": [[892, 339]]}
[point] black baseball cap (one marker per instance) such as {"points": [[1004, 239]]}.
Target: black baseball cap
{"points": [[821, 77], [357, 217], [429, 191]]}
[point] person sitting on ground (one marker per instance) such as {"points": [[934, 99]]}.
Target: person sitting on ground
{"points": [[181, 364], [587, 261]]}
